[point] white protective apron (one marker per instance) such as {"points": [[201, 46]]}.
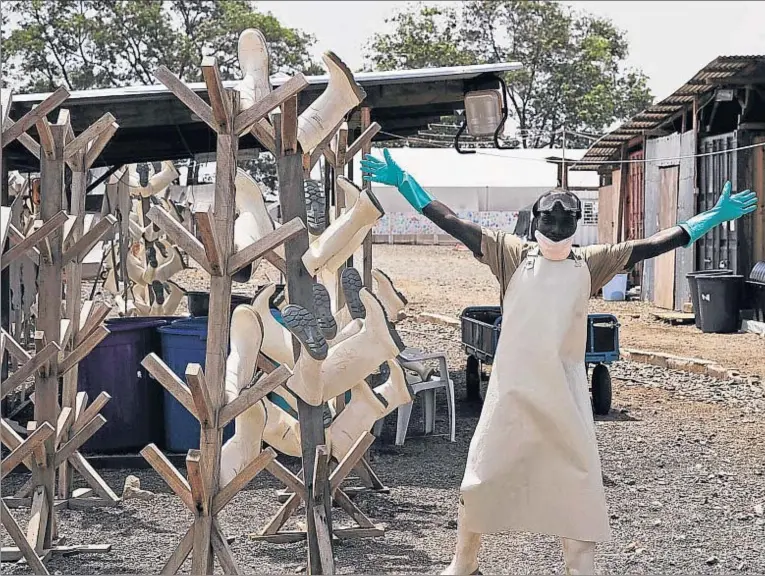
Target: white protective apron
{"points": [[533, 464]]}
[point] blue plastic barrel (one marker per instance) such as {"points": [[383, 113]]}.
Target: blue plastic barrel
{"points": [[184, 342], [134, 413]]}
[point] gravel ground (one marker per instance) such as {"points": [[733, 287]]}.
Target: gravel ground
{"points": [[683, 461]]}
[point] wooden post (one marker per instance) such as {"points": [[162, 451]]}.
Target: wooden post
{"points": [[366, 121], [299, 282], [49, 313]]}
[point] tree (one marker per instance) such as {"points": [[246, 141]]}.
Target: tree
{"points": [[573, 76], [85, 44]]}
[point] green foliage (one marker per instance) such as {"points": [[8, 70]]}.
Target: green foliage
{"points": [[574, 71], [107, 43]]}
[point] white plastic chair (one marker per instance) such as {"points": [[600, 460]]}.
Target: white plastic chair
{"points": [[428, 390]]}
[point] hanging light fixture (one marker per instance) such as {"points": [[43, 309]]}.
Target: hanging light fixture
{"points": [[485, 110]]}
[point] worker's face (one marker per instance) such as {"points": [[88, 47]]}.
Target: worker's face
{"points": [[557, 224]]}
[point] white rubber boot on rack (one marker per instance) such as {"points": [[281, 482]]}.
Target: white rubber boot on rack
{"points": [[166, 269], [336, 241], [366, 407], [254, 62], [282, 431], [172, 299], [323, 114], [277, 340], [246, 336], [393, 301], [322, 373]]}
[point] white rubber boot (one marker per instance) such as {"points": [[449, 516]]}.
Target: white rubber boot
{"points": [[323, 114], [366, 408], [465, 559], [282, 431], [392, 300], [579, 557], [173, 299], [167, 268], [246, 443], [322, 373], [335, 243], [254, 64], [335, 262], [277, 340], [352, 328], [246, 338]]}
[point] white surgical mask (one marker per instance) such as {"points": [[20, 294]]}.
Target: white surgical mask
{"points": [[554, 250]]}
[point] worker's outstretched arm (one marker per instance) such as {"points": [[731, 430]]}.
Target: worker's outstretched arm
{"points": [[389, 173], [728, 207]]}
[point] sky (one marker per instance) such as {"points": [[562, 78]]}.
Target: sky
{"points": [[669, 41]]}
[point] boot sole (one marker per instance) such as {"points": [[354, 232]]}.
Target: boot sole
{"points": [[159, 292], [357, 90], [305, 328], [323, 306], [316, 207], [399, 294], [352, 284]]}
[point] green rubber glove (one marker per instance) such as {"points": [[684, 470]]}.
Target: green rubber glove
{"points": [[727, 208], [389, 173]]}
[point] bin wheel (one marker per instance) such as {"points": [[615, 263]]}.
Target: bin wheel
{"points": [[601, 390], [473, 379]]}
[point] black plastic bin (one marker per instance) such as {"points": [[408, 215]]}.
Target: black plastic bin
{"points": [[755, 299], [134, 413], [691, 276], [720, 298]]}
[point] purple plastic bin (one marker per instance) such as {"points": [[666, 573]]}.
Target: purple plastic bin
{"points": [[134, 413]]}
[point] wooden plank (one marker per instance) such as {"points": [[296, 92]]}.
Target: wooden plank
{"points": [[22, 452], [264, 135], [95, 481], [32, 254], [364, 141], [97, 314], [169, 474], [223, 550], [264, 245], [198, 491], [33, 116], [92, 132], [65, 418], [281, 473], [49, 227], [204, 220], [366, 148], [180, 554], [311, 418], [82, 247], [32, 367], [344, 501], [241, 480], [170, 382], [245, 119], [674, 318], [320, 476], [46, 138], [83, 349], [348, 533], [38, 520], [664, 265], [186, 95], [215, 91], [90, 412], [317, 152], [179, 235], [282, 515], [253, 394], [98, 145], [200, 394], [14, 531], [14, 349], [78, 439], [350, 460]]}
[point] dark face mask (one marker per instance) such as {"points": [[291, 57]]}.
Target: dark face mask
{"points": [[557, 224]]}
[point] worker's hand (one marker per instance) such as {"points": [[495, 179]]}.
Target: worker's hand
{"points": [[732, 207], [382, 171], [728, 207]]}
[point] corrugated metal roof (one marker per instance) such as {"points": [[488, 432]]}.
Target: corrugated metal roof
{"points": [[363, 78], [703, 82]]}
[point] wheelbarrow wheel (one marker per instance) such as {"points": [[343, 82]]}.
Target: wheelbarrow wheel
{"points": [[473, 379], [601, 390]]}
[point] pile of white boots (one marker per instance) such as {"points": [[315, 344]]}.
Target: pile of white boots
{"points": [[152, 260], [332, 362]]}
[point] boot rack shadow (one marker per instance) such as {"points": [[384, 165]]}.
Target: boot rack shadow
{"points": [[58, 242]]}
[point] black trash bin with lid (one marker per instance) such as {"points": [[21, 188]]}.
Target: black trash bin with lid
{"points": [[720, 302], [694, 289]]}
